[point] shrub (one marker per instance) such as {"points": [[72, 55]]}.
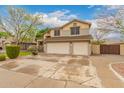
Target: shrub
{"points": [[33, 49], [2, 57], [12, 51]]}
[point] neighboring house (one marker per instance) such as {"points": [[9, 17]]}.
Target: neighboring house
{"points": [[72, 38]]}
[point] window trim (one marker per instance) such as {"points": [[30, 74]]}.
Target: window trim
{"points": [[56, 32], [75, 32]]}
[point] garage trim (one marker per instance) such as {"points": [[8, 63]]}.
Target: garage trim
{"points": [[71, 48], [61, 48]]}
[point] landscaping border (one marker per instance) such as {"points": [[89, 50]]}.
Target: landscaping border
{"points": [[118, 75]]}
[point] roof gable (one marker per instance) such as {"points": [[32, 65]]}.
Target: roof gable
{"points": [[75, 20]]}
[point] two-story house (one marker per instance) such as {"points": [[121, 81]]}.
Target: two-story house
{"points": [[72, 38]]}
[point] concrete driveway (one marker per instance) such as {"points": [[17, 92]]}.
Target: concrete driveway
{"points": [[46, 71], [108, 78]]}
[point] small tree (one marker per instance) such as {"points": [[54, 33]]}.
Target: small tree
{"points": [[19, 23], [40, 33], [99, 35], [113, 20], [4, 35]]}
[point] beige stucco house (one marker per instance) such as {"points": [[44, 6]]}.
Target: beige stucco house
{"points": [[72, 38]]}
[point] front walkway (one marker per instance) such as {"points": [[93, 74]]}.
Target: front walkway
{"points": [[108, 78]]}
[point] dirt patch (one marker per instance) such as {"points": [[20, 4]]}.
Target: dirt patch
{"points": [[83, 61], [50, 60], [53, 55], [45, 59], [72, 70], [119, 68], [10, 65], [34, 58], [30, 69]]}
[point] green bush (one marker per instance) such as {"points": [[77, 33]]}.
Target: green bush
{"points": [[12, 51], [2, 57], [33, 49]]}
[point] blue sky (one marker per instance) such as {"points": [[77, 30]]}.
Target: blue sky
{"points": [[57, 15], [61, 14], [82, 11]]}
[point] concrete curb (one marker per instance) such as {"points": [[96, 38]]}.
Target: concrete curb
{"points": [[118, 75]]}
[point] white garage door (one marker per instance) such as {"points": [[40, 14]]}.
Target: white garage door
{"points": [[58, 48], [81, 48]]}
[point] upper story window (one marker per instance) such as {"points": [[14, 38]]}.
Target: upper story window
{"points": [[57, 33], [75, 30]]}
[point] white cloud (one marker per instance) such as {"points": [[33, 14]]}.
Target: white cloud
{"points": [[93, 22], [57, 18], [59, 13], [98, 8], [114, 36], [91, 6], [113, 7]]}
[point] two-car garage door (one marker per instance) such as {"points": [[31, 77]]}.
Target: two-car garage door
{"points": [[74, 48]]}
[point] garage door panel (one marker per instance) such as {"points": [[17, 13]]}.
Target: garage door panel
{"points": [[58, 48], [81, 48]]}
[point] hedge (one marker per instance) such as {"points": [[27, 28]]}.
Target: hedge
{"points": [[2, 57], [12, 51]]}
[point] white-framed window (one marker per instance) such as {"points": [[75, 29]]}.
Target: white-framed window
{"points": [[56, 32], [75, 30]]}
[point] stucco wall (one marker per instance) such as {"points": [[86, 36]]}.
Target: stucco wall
{"points": [[82, 25], [65, 31], [95, 49], [121, 49], [52, 33]]}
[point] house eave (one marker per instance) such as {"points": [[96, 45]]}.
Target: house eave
{"points": [[86, 38]]}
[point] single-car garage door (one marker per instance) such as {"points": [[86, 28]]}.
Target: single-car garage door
{"points": [[80, 48], [58, 48]]}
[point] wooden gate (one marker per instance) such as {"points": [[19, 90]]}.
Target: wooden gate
{"points": [[109, 49]]}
